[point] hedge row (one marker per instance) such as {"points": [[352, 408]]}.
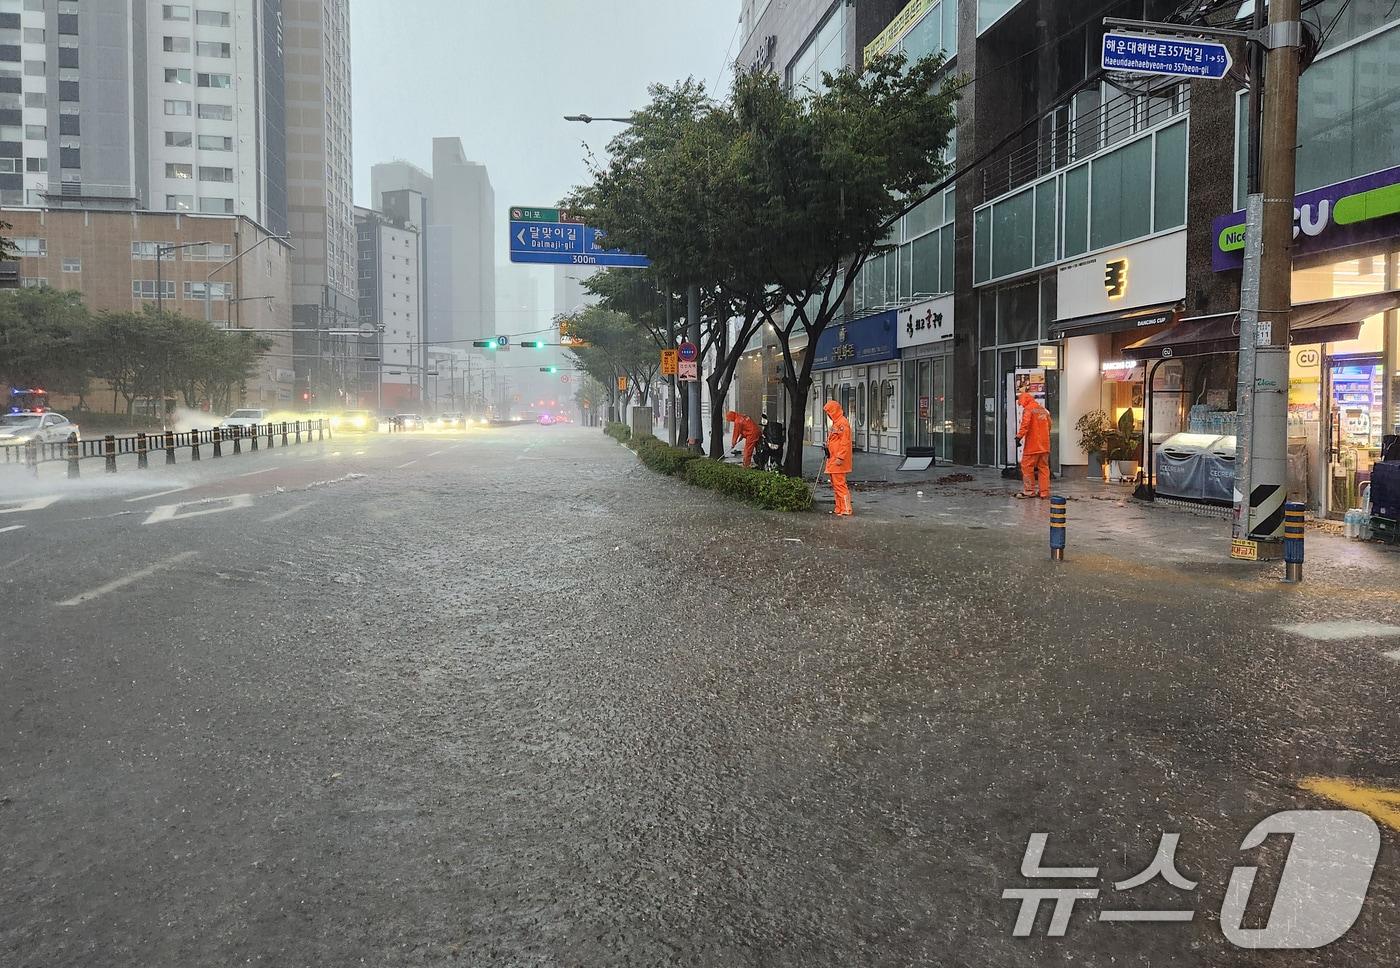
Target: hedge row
{"points": [[766, 489], [619, 432]]}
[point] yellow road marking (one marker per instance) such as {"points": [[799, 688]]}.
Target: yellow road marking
{"points": [[1376, 802]]}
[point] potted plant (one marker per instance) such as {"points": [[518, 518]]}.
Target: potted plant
{"points": [[1093, 430], [1123, 446]]}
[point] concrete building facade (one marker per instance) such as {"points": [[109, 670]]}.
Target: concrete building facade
{"points": [[389, 286]]}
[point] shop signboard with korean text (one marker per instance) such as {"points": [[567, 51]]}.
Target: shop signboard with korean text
{"points": [[1145, 273], [926, 322], [871, 339], [1351, 212]]}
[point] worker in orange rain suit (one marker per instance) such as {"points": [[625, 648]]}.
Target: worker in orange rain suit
{"points": [[838, 457], [1034, 435], [744, 427]]}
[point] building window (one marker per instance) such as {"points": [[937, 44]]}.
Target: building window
{"points": [[179, 203], [825, 52], [216, 112], [33, 68], [145, 250], [207, 48], [36, 132], [33, 282], [215, 251], [178, 139], [216, 206], [178, 109], [33, 35], [72, 265], [68, 124], [36, 164], [32, 248], [215, 142], [178, 75], [177, 45], [218, 291], [35, 99], [146, 288], [215, 174], [214, 80], [174, 169], [68, 58], [70, 157], [175, 11], [212, 18]]}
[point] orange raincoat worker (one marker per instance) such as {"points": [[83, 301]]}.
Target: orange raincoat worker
{"points": [[1035, 436], [838, 457], [743, 427]]}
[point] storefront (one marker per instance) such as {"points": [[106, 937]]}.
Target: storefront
{"points": [[1344, 360], [857, 364], [1106, 302], [924, 335]]}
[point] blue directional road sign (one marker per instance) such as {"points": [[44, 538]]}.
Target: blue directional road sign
{"points": [[1172, 56], [552, 237]]}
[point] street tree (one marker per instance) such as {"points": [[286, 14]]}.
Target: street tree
{"points": [[44, 339], [615, 346]]}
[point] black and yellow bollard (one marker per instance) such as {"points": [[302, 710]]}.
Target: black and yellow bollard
{"points": [[73, 450], [237, 433], [216, 437], [170, 446], [109, 452], [284, 433], [1293, 528], [253, 437], [1057, 528], [194, 445], [271, 442], [297, 428], [142, 450]]}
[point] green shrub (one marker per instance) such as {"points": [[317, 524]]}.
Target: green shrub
{"points": [[619, 432], [661, 456], [767, 489]]}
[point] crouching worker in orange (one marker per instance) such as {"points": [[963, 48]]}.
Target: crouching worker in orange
{"points": [[1034, 435], [743, 427], [838, 457]]}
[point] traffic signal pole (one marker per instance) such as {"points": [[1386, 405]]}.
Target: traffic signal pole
{"points": [[1266, 293]]}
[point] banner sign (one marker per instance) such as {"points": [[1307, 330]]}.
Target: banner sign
{"points": [[869, 340]]}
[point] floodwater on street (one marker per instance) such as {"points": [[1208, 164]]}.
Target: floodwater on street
{"points": [[509, 698]]}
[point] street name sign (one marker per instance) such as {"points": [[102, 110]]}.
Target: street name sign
{"points": [[1171, 56], [552, 236]]}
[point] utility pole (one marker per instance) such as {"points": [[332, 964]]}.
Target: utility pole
{"points": [[671, 380], [696, 436], [1266, 290]]}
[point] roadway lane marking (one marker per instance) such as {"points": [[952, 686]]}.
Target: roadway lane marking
{"points": [[147, 497], [437, 453], [1340, 631], [172, 512], [125, 580], [33, 504], [13, 527], [1393, 656], [406, 464], [1377, 803], [289, 512], [262, 471]]}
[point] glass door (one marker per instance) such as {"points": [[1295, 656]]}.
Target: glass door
{"points": [[1356, 424]]}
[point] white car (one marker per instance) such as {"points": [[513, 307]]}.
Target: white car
{"points": [[44, 427], [244, 418]]}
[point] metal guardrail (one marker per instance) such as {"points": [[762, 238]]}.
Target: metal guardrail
{"points": [[169, 443]]}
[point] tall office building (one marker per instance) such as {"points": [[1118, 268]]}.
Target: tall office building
{"points": [[458, 205], [141, 105]]}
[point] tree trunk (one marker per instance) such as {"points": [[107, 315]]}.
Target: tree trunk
{"points": [[719, 393]]}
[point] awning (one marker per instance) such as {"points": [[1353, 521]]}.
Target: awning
{"points": [[1115, 322], [1326, 321]]}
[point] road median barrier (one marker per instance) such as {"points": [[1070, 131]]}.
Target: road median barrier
{"points": [[108, 448]]}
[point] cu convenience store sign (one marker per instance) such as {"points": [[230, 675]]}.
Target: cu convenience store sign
{"points": [[1359, 210]]}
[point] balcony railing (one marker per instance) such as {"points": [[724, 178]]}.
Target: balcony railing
{"points": [[1078, 130]]}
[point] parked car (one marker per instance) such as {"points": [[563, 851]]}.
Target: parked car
{"points": [[244, 418], [44, 427]]}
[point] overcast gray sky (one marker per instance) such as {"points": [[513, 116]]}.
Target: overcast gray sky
{"points": [[501, 74]]}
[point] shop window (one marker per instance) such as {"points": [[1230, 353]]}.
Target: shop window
{"points": [[1349, 109], [1018, 313], [1169, 187]]}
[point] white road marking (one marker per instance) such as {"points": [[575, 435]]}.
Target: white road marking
{"points": [[263, 471], [289, 512], [1394, 656], [1340, 631], [33, 504], [147, 497], [172, 512], [125, 580], [13, 527], [406, 464], [437, 453]]}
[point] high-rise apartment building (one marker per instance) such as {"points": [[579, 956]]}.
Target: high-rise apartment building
{"points": [[389, 280]]}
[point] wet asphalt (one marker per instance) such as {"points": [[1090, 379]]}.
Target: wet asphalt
{"points": [[508, 698]]}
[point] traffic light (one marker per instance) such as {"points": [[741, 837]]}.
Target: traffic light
{"points": [[549, 369], [485, 344], [533, 344]]}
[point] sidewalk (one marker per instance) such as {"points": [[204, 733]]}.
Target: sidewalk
{"points": [[1103, 519]]}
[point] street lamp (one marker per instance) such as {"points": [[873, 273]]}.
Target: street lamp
{"points": [[585, 119], [208, 307], [161, 250]]}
